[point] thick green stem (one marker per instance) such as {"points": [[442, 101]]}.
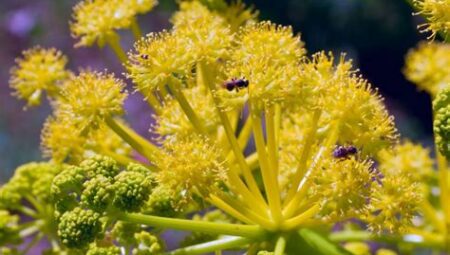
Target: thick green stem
{"points": [[114, 42], [216, 245], [248, 231]]}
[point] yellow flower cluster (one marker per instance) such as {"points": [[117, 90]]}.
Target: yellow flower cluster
{"points": [[97, 20], [40, 70], [272, 66], [437, 15], [91, 98], [409, 158], [426, 66], [191, 165], [346, 101], [218, 81]]}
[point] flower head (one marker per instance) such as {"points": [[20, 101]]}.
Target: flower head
{"points": [[407, 158], [394, 203], [96, 20], [344, 185], [426, 66], [157, 58], [40, 70], [267, 56], [206, 34], [200, 170], [62, 140], [348, 100], [91, 97], [437, 14]]}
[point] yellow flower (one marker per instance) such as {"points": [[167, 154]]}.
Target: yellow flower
{"points": [[408, 158], [267, 56], [437, 13], [192, 165], [394, 203], [237, 14], [347, 100], [40, 70], [206, 34], [344, 186], [91, 97], [426, 66], [62, 141], [156, 59], [96, 20]]}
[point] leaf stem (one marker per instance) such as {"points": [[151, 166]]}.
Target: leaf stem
{"points": [[249, 231], [136, 29], [140, 144], [175, 87], [114, 42]]}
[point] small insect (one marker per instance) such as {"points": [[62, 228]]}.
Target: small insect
{"points": [[144, 56], [235, 84], [344, 151]]}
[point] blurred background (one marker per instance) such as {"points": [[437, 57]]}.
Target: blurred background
{"points": [[376, 34]]}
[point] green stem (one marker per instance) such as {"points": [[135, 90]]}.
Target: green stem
{"points": [[114, 42], [420, 241], [216, 245], [280, 245], [135, 29], [145, 148], [249, 231], [174, 86]]}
